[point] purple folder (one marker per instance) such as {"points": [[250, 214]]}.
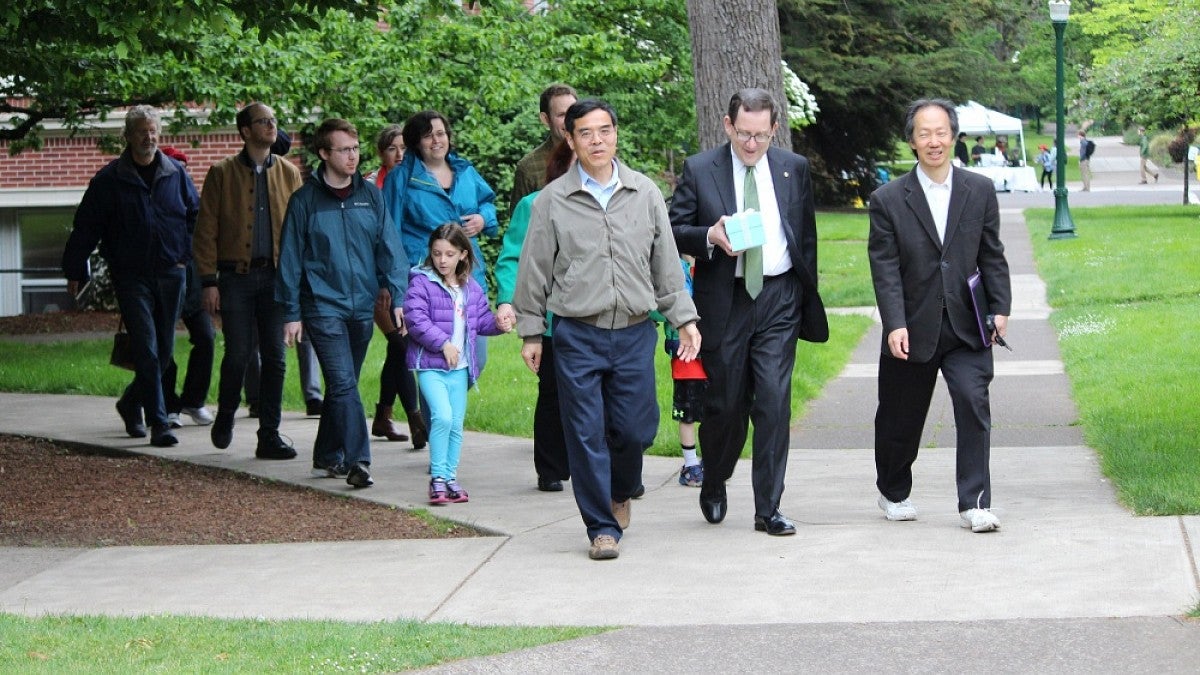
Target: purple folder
{"points": [[980, 305]]}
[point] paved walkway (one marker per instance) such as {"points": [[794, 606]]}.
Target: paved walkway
{"points": [[1072, 582]]}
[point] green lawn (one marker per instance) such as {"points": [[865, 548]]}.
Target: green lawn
{"points": [[842, 261], [1126, 295], [168, 644]]}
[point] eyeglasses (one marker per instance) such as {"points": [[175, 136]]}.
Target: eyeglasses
{"points": [[745, 136], [351, 150], [604, 133], [265, 121], [439, 134]]}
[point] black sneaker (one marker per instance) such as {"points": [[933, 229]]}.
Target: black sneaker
{"points": [[274, 447], [131, 415], [222, 430], [360, 476], [312, 407], [336, 471], [161, 437]]}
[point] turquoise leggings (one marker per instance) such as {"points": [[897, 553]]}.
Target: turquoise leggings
{"points": [[446, 393]]}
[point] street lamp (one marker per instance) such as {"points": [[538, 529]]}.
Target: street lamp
{"points": [[1064, 227]]}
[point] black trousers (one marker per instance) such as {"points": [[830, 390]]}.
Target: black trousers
{"points": [[905, 390], [549, 444], [750, 379]]}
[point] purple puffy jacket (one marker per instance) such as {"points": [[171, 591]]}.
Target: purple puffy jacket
{"points": [[429, 314]]}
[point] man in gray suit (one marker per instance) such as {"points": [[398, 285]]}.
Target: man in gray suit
{"points": [[753, 304], [930, 231]]}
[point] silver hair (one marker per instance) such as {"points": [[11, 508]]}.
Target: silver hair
{"points": [[139, 113]]}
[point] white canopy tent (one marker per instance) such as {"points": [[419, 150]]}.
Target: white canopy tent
{"points": [[975, 120]]}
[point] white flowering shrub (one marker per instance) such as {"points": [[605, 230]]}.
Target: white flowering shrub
{"points": [[802, 107]]}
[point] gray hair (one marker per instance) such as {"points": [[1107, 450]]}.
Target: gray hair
{"points": [[753, 99], [139, 113]]}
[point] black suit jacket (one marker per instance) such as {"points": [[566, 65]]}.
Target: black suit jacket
{"points": [[705, 193], [915, 274]]}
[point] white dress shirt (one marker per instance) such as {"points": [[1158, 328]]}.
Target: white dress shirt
{"points": [[776, 260], [938, 196]]}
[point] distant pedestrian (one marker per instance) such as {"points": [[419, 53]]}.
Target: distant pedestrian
{"points": [[1147, 167], [446, 310], [960, 150], [977, 151], [1048, 158], [1086, 148]]}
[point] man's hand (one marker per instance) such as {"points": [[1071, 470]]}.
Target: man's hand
{"points": [[898, 343], [689, 342], [719, 238], [292, 332], [398, 315], [531, 353], [1001, 325], [210, 300]]}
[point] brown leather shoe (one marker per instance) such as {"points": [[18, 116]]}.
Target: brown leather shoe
{"points": [[382, 426]]}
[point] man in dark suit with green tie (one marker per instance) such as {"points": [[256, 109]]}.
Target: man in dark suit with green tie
{"points": [[753, 305]]}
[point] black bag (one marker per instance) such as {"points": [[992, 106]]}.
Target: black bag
{"points": [[122, 350]]}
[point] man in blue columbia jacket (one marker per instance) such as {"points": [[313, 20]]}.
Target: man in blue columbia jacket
{"points": [[337, 249]]}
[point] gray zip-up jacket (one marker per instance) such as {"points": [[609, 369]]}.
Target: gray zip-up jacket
{"points": [[610, 268]]}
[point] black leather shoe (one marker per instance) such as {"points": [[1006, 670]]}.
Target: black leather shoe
{"points": [[131, 415], [360, 476], [222, 430], [549, 485], [312, 407], [713, 502], [161, 437], [639, 492], [274, 447], [776, 525]]}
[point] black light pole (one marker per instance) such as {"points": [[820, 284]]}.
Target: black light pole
{"points": [[1064, 227]]}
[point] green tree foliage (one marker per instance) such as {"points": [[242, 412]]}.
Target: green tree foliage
{"points": [[1156, 80], [865, 60]]}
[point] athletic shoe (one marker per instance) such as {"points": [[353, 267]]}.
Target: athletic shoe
{"points": [[173, 421], [200, 416], [979, 520], [621, 511], [454, 492], [359, 476], [897, 510], [274, 447], [336, 471], [437, 492], [691, 476], [604, 547]]}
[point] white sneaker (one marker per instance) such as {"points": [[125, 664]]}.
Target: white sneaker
{"points": [[897, 510], [979, 520], [200, 416], [173, 421]]}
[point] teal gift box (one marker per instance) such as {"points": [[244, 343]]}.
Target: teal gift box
{"points": [[745, 230]]}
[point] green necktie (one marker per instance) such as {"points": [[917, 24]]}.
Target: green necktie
{"points": [[752, 268]]}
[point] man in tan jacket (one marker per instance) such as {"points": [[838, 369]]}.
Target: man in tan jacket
{"points": [[236, 247]]}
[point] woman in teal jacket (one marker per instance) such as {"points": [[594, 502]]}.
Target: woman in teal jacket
{"points": [[433, 185]]}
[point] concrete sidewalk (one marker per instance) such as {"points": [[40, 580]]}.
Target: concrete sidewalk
{"points": [[1071, 582]]}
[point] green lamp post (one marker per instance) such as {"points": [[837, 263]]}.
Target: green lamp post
{"points": [[1064, 227]]}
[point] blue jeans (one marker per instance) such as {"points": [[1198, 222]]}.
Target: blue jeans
{"points": [[446, 393], [610, 412], [150, 305], [248, 305], [341, 346]]}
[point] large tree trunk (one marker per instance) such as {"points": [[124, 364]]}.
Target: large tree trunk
{"points": [[735, 44]]}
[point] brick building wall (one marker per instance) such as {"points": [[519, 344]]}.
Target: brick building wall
{"points": [[71, 162]]}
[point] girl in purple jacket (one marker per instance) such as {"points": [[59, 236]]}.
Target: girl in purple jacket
{"points": [[445, 310]]}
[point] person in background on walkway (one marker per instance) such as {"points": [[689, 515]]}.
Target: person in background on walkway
{"points": [[202, 337], [336, 251], [446, 309], [237, 250], [530, 174], [960, 150], [141, 209], [929, 231], [1146, 166], [395, 378], [310, 378], [1048, 158], [755, 303], [689, 383], [543, 164], [601, 295], [977, 151], [1086, 148]]}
